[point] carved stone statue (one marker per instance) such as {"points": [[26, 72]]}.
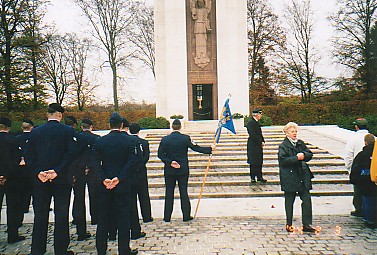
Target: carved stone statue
{"points": [[200, 10]]}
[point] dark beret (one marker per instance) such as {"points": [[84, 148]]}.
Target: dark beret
{"points": [[176, 122], [115, 118], [134, 128], [257, 110], [5, 121], [87, 121], [125, 122], [28, 121], [55, 107]]}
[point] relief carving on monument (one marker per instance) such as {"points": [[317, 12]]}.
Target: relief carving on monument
{"points": [[199, 12]]}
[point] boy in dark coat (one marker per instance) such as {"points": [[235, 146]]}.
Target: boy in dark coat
{"points": [[360, 176]]}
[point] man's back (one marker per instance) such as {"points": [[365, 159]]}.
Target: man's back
{"points": [[50, 146]]}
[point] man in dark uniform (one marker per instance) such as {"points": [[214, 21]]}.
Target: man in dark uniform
{"points": [[142, 187], [90, 175], [25, 180], [115, 159], [10, 157], [173, 153], [79, 169], [255, 145], [136, 232], [48, 152]]}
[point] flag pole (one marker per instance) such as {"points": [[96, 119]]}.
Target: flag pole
{"points": [[205, 177]]}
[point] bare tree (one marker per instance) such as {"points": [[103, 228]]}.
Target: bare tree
{"points": [[33, 39], [353, 44], [300, 57], [11, 17], [110, 20], [265, 35], [56, 68], [142, 35], [76, 51]]}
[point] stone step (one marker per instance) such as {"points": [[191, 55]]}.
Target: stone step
{"points": [[238, 183], [243, 157], [215, 165], [256, 194], [246, 172]]}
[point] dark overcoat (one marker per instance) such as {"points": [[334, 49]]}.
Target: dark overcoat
{"points": [[254, 143], [295, 174], [360, 171]]}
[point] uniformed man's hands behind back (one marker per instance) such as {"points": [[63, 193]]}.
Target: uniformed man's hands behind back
{"points": [[175, 164], [2, 180]]}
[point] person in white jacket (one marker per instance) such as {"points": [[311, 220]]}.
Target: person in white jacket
{"points": [[354, 145]]}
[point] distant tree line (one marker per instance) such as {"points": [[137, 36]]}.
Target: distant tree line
{"points": [[37, 61], [283, 61]]}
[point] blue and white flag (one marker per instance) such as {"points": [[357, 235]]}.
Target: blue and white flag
{"points": [[226, 121]]}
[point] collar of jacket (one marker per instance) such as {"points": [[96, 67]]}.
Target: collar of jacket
{"points": [[288, 144]]}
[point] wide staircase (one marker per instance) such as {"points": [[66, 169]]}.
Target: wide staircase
{"points": [[228, 175]]}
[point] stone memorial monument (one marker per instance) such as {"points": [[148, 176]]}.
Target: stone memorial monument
{"points": [[201, 57]]}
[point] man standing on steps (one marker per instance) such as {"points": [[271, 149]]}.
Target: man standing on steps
{"points": [[255, 145], [173, 153], [355, 145]]}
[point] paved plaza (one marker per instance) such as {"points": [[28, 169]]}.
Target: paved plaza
{"points": [[340, 234], [238, 225]]}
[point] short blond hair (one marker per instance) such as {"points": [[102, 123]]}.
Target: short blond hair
{"points": [[289, 126]]}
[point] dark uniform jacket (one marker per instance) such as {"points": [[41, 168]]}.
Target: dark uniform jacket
{"points": [[254, 143], [142, 169], [295, 174], [51, 146], [115, 155], [82, 159], [10, 156], [174, 147], [23, 138], [360, 171]]}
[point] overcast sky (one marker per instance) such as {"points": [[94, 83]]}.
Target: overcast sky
{"points": [[139, 84]]}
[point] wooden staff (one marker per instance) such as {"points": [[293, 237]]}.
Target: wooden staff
{"points": [[205, 175]]}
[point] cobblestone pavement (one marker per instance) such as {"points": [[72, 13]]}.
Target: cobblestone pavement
{"points": [[339, 234]]}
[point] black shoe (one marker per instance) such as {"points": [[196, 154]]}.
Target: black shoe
{"points": [[253, 181], [308, 229], [167, 220], [70, 253], [188, 219], [148, 220], [357, 213], [16, 239], [84, 237], [112, 238], [290, 228], [132, 252], [261, 180], [370, 225], [141, 235]]}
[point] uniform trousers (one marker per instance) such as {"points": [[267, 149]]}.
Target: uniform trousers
{"points": [[14, 212], [144, 199], [79, 209], [42, 195], [170, 182], [134, 224], [119, 203], [255, 171], [306, 206]]}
